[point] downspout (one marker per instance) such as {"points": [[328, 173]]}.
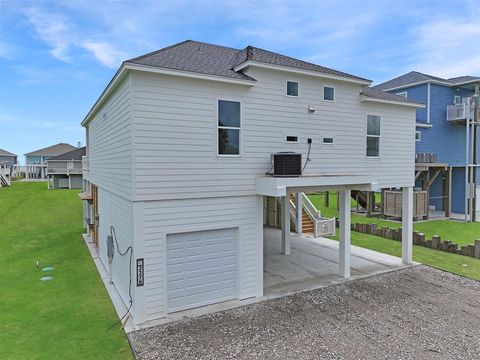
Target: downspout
{"points": [[467, 152], [428, 103], [475, 120]]}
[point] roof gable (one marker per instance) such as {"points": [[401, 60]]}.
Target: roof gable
{"points": [[53, 150], [71, 155], [218, 60], [6, 153]]}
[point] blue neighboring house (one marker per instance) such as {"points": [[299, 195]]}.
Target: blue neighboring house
{"points": [[441, 130]]}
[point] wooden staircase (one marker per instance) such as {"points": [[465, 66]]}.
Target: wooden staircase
{"points": [[307, 223]]}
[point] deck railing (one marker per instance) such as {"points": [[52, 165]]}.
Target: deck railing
{"points": [[426, 158], [456, 112]]}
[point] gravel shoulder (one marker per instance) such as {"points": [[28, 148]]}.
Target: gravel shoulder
{"points": [[413, 313]]}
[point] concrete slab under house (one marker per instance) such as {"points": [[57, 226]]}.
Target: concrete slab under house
{"points": [[199, 158]]}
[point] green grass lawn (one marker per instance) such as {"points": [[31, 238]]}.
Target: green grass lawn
{"points": [[456, 231], [461, 233], [68, 317]]}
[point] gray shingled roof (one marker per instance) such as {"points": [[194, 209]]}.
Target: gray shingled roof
{"points": [[53, 150], [463, 79], [71, 155], [218, 60], [379, 94], [410, 78], [415, 77], [6, 153]]}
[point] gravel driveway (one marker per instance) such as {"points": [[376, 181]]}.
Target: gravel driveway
{"points": [[414, 313]]}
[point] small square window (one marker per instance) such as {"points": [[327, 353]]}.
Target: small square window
{"points": [[292, 88], [418, 136], [328, 93], [328, 140], [291, 139]]}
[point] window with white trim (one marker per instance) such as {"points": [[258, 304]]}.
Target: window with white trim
{"points": [[402, 94], [373, 135], [292, 88], [418, 135], [229, 127], [328, 93], [457, 99]]}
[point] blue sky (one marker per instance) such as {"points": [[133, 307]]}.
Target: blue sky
{"points": [[57, 56]]}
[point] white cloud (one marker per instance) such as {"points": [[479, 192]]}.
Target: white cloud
{"points": [[450, 47], [105, 53], [53, 29]]}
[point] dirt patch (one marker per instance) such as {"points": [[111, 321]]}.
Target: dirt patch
{"points": [[414, 313]]}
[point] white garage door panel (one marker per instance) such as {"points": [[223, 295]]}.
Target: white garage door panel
{"points": [[201, 268]]}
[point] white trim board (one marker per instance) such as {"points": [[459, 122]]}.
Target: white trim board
{"points": [[300, 71]]}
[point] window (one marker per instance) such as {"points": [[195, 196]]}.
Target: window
{"points": [[328, 140], [402, 94], [418, 136], [457, 99], [291, 139], [228, 127], [373, 135], [328, 93], [292, 88]]}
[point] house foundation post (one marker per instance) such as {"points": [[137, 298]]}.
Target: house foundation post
{"points": [[344, 231], [407, 224], [285, 202], [299, 209]]}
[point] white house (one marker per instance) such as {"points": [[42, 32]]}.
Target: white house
{"points": [[178, 147]]}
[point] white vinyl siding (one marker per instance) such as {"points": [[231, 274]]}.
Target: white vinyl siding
{"points": [[117, 212], [164, 218], [176, 135], [110, 143]]}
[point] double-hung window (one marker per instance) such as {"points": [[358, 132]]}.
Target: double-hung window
{"points": [[228, 127], [373, 135]]}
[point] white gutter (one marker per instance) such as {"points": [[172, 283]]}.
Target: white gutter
{"points": [[420, 83], [384, 101], [300, 71], [420, 125]]}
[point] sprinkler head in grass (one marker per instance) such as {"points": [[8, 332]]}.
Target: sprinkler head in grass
{"points": [[37, 264], [46, 278]]}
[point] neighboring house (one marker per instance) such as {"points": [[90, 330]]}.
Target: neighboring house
{"points": [[36, 161], [442, 132], [65, 171], [179, 149], [7, 159]]}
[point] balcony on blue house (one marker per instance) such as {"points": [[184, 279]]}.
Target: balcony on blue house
{"points": [[458, 113]]}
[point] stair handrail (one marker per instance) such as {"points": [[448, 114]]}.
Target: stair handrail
{"points": [[311, 210]]}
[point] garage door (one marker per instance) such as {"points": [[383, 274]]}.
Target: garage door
{"points": [[201, 268]]}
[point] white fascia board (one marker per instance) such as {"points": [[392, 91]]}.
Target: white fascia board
{"points": [[300, 71], [419, 83], [122, 71], [277, 186], [385, 101], [420, 125], [467, 82]]}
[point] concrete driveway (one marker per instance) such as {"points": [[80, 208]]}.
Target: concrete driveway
{"points": [[413, 313]]}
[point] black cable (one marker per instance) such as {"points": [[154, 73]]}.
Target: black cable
{"points": [[308, 157], [269, 172], [129, 248]]}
